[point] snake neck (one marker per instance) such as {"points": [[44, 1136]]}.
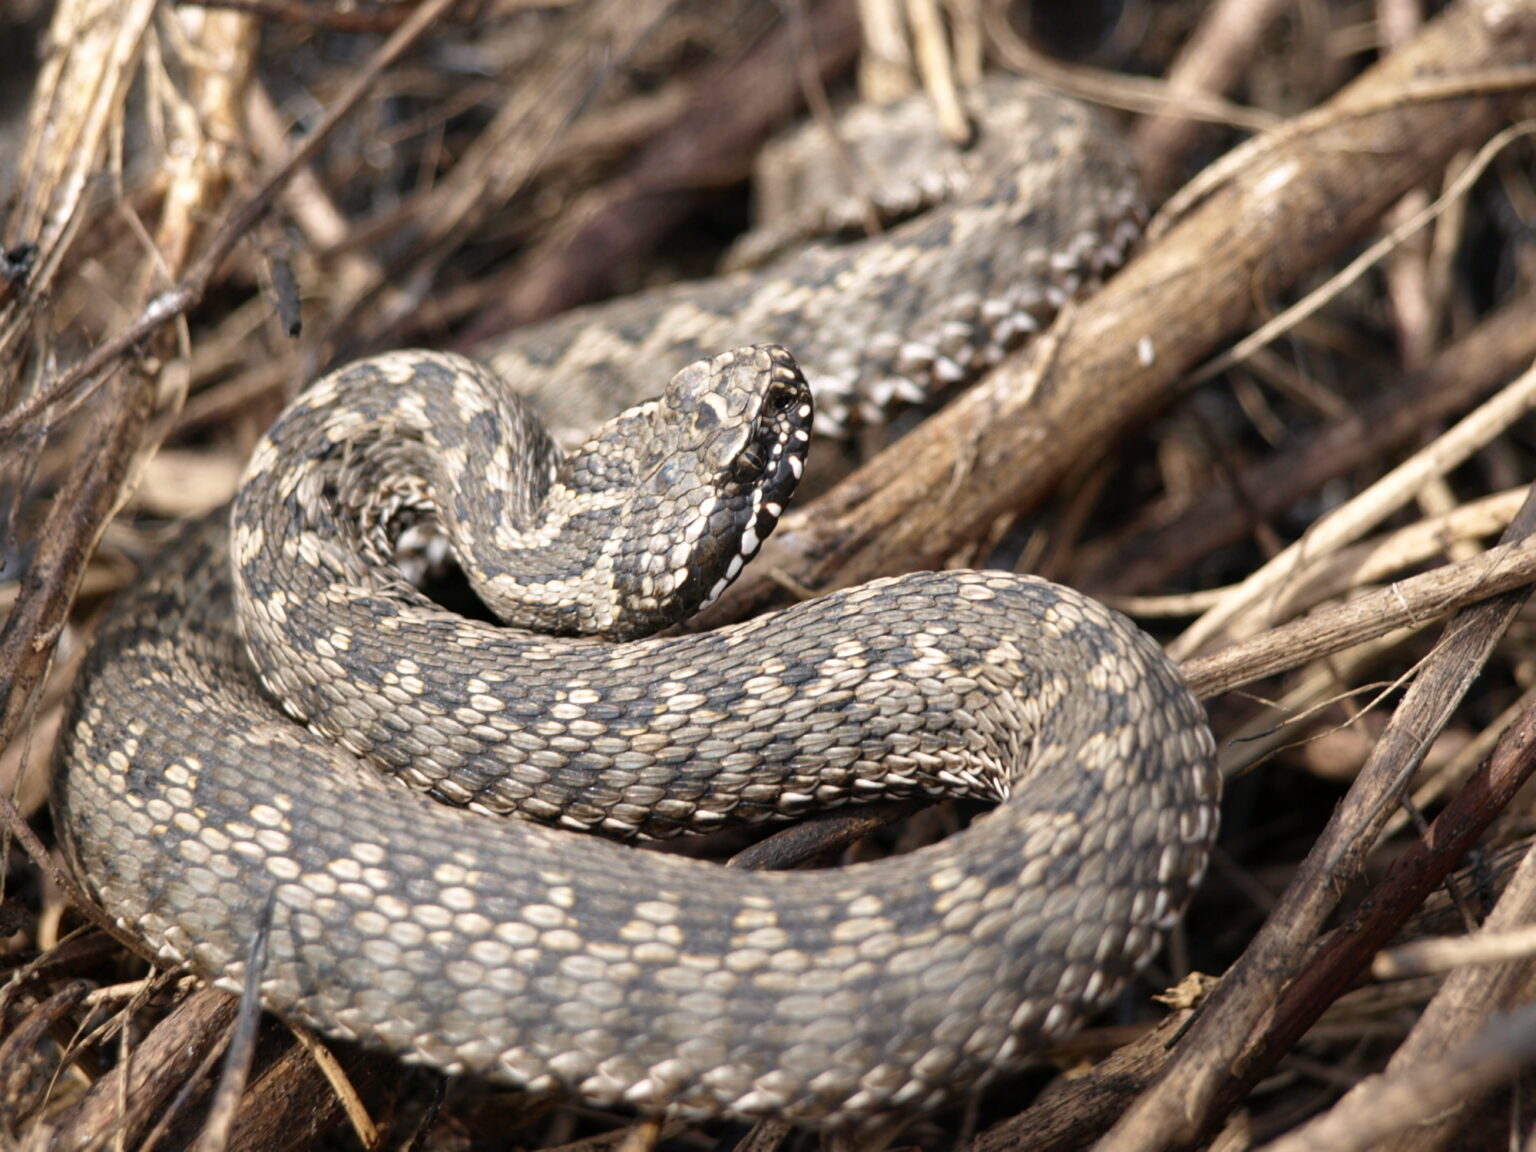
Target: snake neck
{"points": [[645, 524]]}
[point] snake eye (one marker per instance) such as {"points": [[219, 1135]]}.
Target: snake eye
{"points": [[749, 463]]}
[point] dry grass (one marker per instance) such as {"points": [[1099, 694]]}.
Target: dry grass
{"points": [[1311, 451]]}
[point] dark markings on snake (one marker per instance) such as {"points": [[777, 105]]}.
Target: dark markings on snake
{"points": [[259, 719]]}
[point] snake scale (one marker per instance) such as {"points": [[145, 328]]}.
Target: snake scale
{"points": [[239, 737]]}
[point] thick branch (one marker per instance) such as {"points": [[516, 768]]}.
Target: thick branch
{"points": [[1298, 198]]}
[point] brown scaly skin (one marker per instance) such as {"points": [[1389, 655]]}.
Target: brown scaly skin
{"points": [[192, 798], [1049, 204]]}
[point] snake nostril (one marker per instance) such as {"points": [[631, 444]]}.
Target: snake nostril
{"points": [[782, 397]]}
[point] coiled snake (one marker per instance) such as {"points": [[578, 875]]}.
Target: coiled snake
{"points": [[212, 771]]}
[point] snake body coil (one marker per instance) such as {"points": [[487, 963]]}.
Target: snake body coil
{"points": [[213, 777]]}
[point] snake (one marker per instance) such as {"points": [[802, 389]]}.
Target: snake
{"points": [[278, 737]]}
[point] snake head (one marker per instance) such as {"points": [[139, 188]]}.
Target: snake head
{"points": [[706, 469], [747, 418]]}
